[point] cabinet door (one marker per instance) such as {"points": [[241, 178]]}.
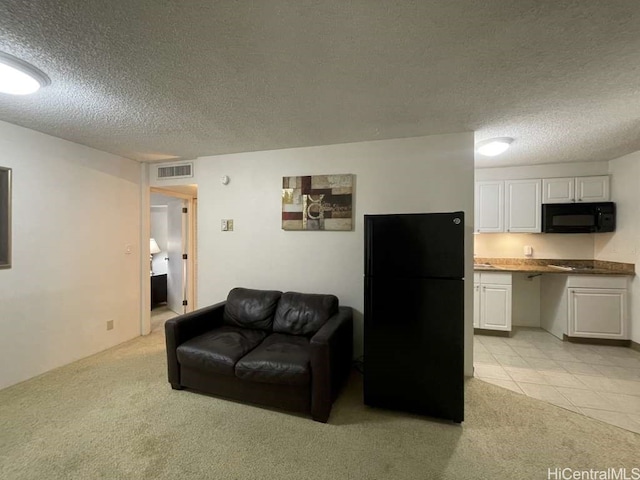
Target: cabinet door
{"points": [[523, 206], [597, 313], [495, 307], [476, 305], [592, 189], [489, 207], [558, 190]]}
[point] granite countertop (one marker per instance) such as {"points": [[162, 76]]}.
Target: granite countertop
{"points": [[571, 267]]}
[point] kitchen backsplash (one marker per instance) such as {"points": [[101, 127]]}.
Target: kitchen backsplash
{"points": [[511, 245]]}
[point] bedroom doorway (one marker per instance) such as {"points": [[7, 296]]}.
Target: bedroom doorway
{"points": [[173, 250]]}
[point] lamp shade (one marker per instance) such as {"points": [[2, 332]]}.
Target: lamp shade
{"points": [[153, 246]]}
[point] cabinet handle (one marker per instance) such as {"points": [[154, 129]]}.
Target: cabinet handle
{"points": [[579, 199], [484, 288]]}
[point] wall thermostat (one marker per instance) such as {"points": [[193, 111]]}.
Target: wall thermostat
{"points": [[224, 180]]}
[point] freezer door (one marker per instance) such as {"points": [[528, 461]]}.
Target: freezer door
{"points": [[415, 245], [413, 346]]}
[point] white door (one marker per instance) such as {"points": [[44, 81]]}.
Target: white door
{"points": [[176, 232], [495, 304], [592, 189], [523, 206], [558, 190], [489, 207]]}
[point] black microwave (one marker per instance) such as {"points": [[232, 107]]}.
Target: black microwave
{"points": [[578, 217]]}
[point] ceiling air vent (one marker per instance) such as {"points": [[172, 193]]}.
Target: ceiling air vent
{"points": [[180, 170]]}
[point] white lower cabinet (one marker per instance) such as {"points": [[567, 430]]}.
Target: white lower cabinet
{"points": [[587, 306], [598, 309], [476, 300], [492, 301]]}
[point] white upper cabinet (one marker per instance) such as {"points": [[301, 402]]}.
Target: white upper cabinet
{"points": [[523, 206], [592, 189], [575, 189], [508, 206], [515, 206], [489, 207], [558, 190]]}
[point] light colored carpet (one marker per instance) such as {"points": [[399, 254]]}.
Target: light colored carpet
{"points": [[159, 315], [114, 416]]}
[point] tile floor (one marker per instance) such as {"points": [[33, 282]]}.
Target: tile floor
{"points": [[597, 381]]}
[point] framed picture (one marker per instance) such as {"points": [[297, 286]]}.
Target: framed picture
{"points": [[317, 202], [5, 217]]}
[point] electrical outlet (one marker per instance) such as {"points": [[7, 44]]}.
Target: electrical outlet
{"points": [[109, 324]]}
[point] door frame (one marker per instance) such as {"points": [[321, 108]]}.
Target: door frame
{"points": [[190, 243]]}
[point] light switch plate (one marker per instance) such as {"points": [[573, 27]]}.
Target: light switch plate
{"points": [[226, 225]]}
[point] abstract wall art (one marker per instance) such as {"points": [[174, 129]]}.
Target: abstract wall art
{"points": [[317, 202]]}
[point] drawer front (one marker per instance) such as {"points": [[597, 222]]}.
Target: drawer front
{"points": [[597, 281], [495, 278]]}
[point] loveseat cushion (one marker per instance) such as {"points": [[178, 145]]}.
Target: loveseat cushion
{"points": [[280, 358], [303, 313], [219, 349], [251, 308]]}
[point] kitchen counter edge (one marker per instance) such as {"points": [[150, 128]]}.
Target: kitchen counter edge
{"points": [[543, 266]]}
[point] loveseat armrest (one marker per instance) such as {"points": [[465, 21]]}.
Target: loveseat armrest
{"points": [[185, 327], [331, 357]]}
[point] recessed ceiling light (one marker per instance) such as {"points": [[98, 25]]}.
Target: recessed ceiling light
{"points": [[493, 146], [17, 77]]}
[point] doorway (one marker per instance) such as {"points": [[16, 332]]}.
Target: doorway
{"points": [[172, 246]]}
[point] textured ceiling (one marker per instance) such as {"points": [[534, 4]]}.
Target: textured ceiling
{"points": [[158, 79]]}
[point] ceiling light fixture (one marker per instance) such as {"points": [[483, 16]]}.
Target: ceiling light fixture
{"points": [[18, 77], [493, 146]]}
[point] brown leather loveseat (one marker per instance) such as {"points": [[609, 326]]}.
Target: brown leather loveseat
{"points": [[287, 350]]}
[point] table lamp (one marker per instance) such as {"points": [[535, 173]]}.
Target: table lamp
{"points": [[153, 248]]}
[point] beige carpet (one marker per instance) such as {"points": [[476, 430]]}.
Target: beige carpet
{"points": [[114, 416]]}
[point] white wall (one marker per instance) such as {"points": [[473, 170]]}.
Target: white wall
{"points": [[425, 174], [572, 169], [623, 245], [525, 300], [545, 245], [74, 211], [511, 245]]}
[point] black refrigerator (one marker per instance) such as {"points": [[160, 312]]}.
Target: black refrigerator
{"points": [[414, 313]]}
